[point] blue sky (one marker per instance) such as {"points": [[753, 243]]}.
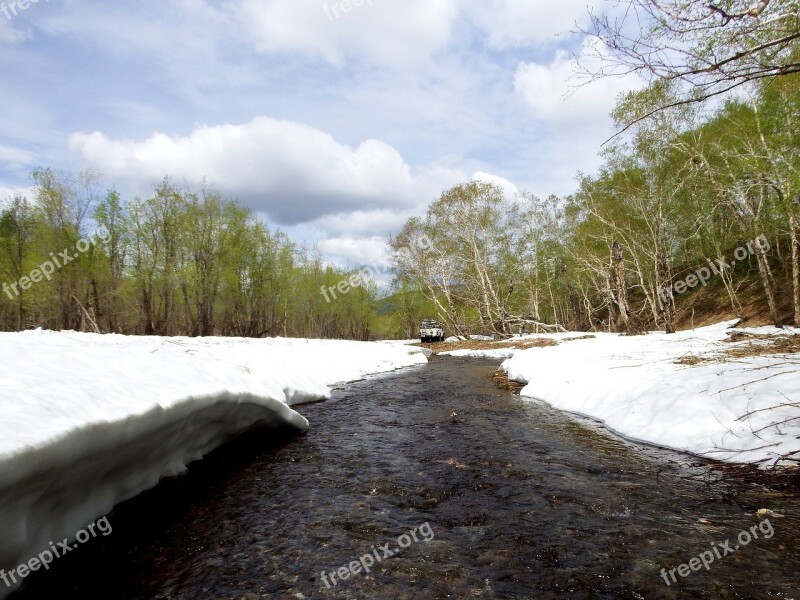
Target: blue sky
{"points": [[335, 124]]}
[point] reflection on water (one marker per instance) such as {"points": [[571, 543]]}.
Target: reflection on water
{"points": [[523, 501]]}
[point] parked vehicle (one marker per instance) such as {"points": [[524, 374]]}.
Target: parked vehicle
{"points": [[430, 330]]}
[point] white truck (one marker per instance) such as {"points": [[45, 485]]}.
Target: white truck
{"points": [[430, 330]]}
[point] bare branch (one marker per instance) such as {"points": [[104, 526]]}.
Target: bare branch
{"points": [[707, 48]]}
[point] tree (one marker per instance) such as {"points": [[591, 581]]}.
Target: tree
{"points": [[62, 203], [470, 266], [110, 214], [472, 257], [728, 162], [16, 235], [706, 47]]}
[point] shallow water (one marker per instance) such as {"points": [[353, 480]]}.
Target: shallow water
{"points": [[522, 501]]}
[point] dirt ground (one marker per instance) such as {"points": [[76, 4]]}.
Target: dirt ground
{"points": [[438, 347]]}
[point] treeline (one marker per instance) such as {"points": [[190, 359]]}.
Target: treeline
{"points": [[680, 189], [179, 262]]}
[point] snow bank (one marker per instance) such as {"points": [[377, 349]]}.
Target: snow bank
{"points": [[634, 385], [91, 420]]}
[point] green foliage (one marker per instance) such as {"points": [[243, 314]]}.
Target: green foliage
{"points": [[178, 262], [680, 189]]}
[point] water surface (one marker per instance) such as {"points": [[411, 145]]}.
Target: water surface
{"points": [[522, 501]]}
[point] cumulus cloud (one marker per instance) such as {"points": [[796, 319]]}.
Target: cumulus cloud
{"points": [[510, 190], [361, 222], [509, 23], [356, 251], [575, 118], [414, 97], [384, 32], [291, 171], [554, 92]]}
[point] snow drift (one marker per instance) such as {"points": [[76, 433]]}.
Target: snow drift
{"points": [[92, 420], [733, 409]]}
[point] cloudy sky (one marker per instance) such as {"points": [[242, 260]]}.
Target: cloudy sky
{"points": [[334, 124]]}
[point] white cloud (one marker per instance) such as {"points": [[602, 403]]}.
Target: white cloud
{"points": [[510, 23], [362, 222], [356, 251], [374, 112], [291, 171], [382, 32], [554, 94], [8, 193], [576, 118], [510, 190]]}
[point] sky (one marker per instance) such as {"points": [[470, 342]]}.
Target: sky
{"points": [[334, 120]]}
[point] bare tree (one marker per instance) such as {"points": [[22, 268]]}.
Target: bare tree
{"points": [[706, 47]]}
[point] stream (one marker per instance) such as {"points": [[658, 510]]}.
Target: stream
{"points": [[506, 498]]}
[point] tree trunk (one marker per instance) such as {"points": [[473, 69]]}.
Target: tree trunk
{"points": [[768, 283], [795, 264], [623, 309], [764, 271], [578, 323]]}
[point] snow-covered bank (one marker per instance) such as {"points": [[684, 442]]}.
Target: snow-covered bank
{"points": [[737, 409], [680, 391], [89, 421]]}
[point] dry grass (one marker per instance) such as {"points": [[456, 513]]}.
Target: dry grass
{"points": [[710, 304], [756, 345], [762, 345], [502, 381], [588, 336], [438, 347], [691, 360]]}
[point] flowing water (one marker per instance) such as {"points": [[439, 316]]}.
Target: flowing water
{"points": [[503, 499]]}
